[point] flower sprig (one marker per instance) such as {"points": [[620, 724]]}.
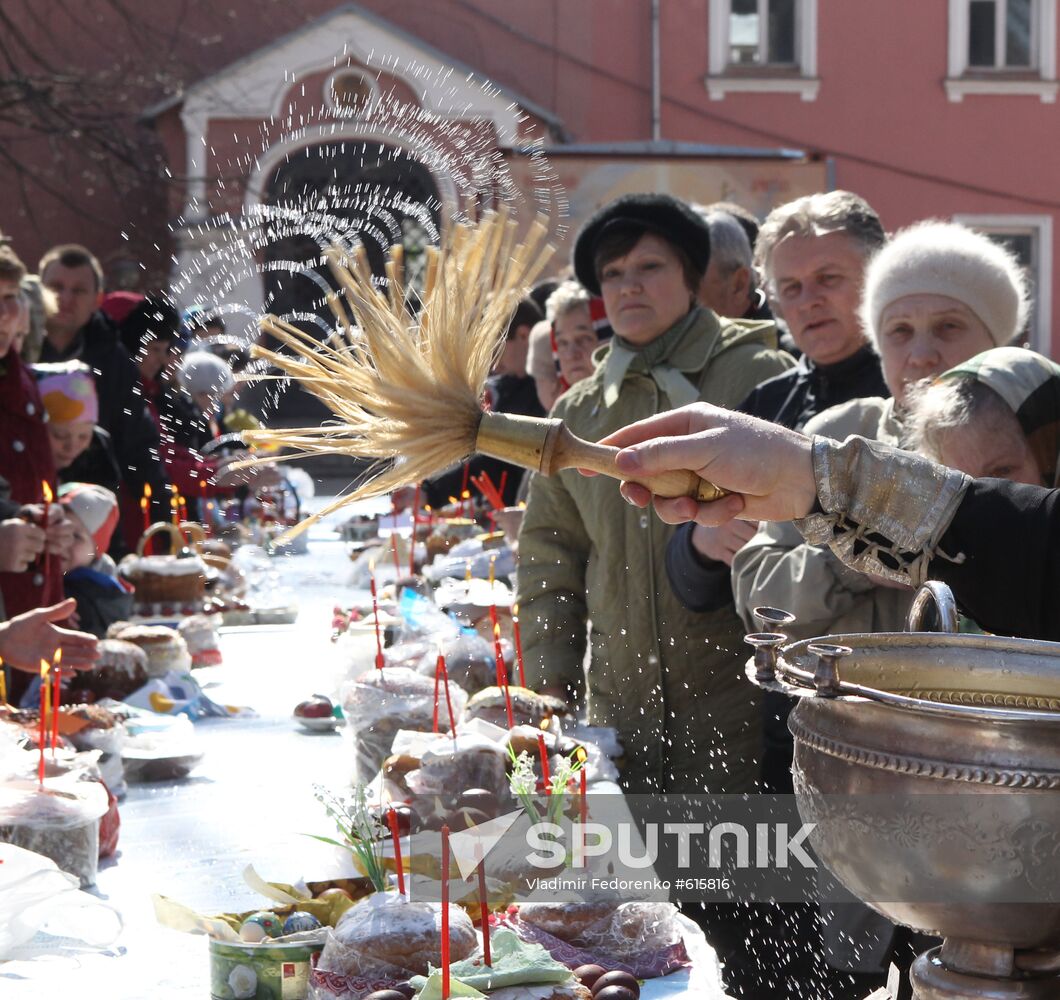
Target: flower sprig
{"points": [[523, 784], [362, 830]]}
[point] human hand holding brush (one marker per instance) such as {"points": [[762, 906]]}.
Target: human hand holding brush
{"points": [[406, 390]]}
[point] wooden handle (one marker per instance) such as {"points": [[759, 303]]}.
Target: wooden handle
{"points": [[571, 452]]}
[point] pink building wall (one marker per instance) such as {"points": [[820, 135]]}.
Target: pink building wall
{"points": [[881, 115]]}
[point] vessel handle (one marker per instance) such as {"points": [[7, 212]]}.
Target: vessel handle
{"points": [[936, 595]]}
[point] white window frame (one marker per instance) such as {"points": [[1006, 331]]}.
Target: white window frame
{"points": [[1041, 228], [802, 79], [1037, 81]]}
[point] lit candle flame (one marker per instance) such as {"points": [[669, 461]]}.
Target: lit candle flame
{"points": [[47, 490], [544, 723], [58, 657], [44, 668], [515, 611], [580, 755], [147, 491]]}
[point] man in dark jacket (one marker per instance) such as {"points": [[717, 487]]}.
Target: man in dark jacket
{"points": [[811, 254], [80, 330]]}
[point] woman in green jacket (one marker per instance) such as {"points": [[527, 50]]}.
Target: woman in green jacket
{"points": [[592, 572]]}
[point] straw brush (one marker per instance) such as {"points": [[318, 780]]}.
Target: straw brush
{"points": [[406, 390]]}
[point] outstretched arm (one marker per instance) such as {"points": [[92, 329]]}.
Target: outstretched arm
{"points": [[28, 638]]}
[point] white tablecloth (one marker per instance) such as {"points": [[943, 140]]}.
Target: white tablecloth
{"points": [[250, 801]]}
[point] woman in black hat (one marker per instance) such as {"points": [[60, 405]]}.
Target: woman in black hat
{"points": [[592, 569]]}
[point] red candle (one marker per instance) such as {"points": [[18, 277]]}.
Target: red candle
{"points": [[57, 692], [393, 545], [375, 616], [484, 911], [584, 804], [391, 818], [502, 484], [437, 681], [445, 913], [463, 481], [546, 776], [518, 645], [42, 737], [502, 673], [448, 700]]}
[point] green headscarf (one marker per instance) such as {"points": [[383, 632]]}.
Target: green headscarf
{"points": [[1029, 383]]}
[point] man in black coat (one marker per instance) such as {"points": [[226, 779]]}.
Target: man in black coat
{"points": [[811, 254], [78, 330]]}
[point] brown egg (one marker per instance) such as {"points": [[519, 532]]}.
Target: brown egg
{"points": [[588, 974], [407, 989], [620, 979], [616, 993]]}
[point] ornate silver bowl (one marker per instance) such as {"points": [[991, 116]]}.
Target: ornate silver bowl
{"points": [[930, 763]]}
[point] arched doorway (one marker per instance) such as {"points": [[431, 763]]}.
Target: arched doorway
{"points": [[350, 191]]}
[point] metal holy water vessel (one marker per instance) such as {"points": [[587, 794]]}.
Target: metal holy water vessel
{"points": [[930, 762]]}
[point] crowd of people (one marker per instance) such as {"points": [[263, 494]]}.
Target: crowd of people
{"points": [[816, 321], [109, 403]]}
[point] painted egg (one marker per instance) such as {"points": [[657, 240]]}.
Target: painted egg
{"points": [[300, 921], [261, 925]]}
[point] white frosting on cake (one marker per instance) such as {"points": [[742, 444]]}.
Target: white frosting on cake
{"points": [[166, 566], [198, 633]]}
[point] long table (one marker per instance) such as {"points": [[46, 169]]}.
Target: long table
{"points": [[250, 801]]}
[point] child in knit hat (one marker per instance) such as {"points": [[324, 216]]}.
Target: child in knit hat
{"points": [[69, 393], [90, 575]]}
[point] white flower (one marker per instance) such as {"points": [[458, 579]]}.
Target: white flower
{"points": [[243, 981], [523, 779]]}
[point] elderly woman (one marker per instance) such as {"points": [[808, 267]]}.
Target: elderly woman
{"points": [[668, 679], [573, 335], [996, 416]]}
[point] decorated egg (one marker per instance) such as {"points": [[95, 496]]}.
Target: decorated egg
{"points": [[261, 925], [300, 921]]}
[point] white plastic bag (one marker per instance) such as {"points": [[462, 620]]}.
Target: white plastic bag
{"points": [[35, 897]]}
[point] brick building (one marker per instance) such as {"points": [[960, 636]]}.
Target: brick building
{"points": [[941, 108]]}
